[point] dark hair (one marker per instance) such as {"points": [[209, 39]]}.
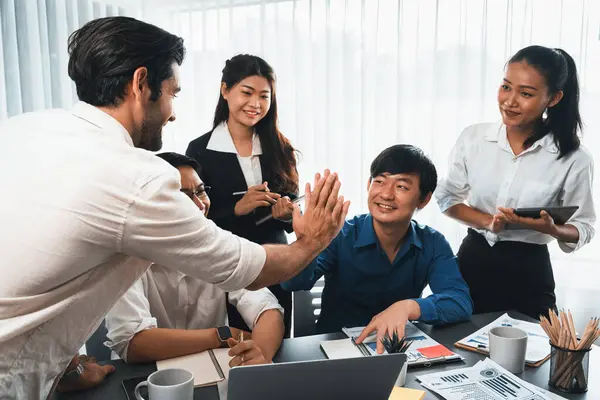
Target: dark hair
{"points": [[105, 52], [179, 160], [278, 152], [406, 159], [560, 72]]}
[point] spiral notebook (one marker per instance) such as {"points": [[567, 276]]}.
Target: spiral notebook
{"points": [[209, 367]]}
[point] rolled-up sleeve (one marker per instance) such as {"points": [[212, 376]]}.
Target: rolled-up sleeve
{"points": [[130, 315], [165, 227], [251, 304], [578, 191], [454, 188]]}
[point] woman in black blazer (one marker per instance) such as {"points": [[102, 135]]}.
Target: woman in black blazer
{"points": [[249, 164]]}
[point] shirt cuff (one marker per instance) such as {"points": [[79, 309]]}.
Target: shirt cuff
{"points": [[120, 344], [251, 304], [449, 202], [251, 262], [571, 247], [428, 311], [267, 308]]}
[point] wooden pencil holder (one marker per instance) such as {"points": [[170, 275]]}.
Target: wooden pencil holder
{"points": [[569, 369]]}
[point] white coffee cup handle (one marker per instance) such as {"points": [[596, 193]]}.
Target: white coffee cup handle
{"points": [[140, 385]]}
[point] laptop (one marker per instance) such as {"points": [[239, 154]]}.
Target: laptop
{"points": [[370, 378]]}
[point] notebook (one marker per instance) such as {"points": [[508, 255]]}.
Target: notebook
{"points": [[209, 367], [538, 347], [424, 351], [400, 393]]}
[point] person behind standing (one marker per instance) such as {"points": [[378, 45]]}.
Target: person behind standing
{"points": [[249, 163], [532, 159]]}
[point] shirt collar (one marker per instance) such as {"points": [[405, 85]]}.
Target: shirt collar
{"points": [[220, 140], [498, 134], [367, 236], [547, 142], [102, 120]]}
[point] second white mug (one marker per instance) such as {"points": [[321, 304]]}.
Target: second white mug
{"points": [[168, 384], [508, 348]]}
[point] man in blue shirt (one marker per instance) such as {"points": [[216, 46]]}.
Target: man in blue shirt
{"points": [[378, 265]]}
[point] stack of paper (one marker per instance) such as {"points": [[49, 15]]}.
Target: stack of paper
{"points": [[486, 380], [538, 347], [423, 350]]}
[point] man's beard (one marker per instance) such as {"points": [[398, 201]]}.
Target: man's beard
{"points": [[151, 135]]}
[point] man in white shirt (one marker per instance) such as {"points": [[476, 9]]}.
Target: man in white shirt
{"points": [[76, 233], [168, 314]]}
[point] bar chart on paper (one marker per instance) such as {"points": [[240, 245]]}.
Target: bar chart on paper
{"points": [[458, 378], [486, 380], [506, 387]]}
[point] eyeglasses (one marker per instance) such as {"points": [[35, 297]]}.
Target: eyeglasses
{"points": [[201, 192]]}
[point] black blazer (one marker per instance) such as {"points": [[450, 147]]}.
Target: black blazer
{"points": [[223, 173]]}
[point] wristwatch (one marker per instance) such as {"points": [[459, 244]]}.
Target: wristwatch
{"points": [[224, 333]]}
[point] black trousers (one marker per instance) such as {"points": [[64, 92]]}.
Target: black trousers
{"points": [[507, 276]]}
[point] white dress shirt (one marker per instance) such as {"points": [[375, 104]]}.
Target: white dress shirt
{"points": [[165, 298], [484, 170], [83, 214], [221, 140]]}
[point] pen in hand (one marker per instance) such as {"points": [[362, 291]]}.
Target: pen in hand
{"points": [[243, 192]]}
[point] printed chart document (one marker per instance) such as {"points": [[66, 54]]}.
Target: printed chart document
{"points": [[486, 380], [422, 352], [538, 346]]}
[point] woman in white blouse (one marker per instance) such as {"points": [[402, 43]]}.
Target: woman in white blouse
{"points": [[248, 163], [532, 159]]}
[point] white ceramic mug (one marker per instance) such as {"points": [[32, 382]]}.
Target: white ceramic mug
{"points": [[508, 347], [401, 380], [168, 384]]}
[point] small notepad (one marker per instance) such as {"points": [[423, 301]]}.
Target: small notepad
{"points": [[401, 393], [341, 348], [208, 367]]}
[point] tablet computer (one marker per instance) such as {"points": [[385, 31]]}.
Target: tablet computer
{"points": [[560, 214]]}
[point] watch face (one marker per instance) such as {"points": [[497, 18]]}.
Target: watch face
{"points": [[224, 333]]}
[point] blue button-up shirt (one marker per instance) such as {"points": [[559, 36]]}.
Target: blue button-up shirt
{"points": [[360, 280]]}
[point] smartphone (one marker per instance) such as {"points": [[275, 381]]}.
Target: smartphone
{"points": [[130, 384]]}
